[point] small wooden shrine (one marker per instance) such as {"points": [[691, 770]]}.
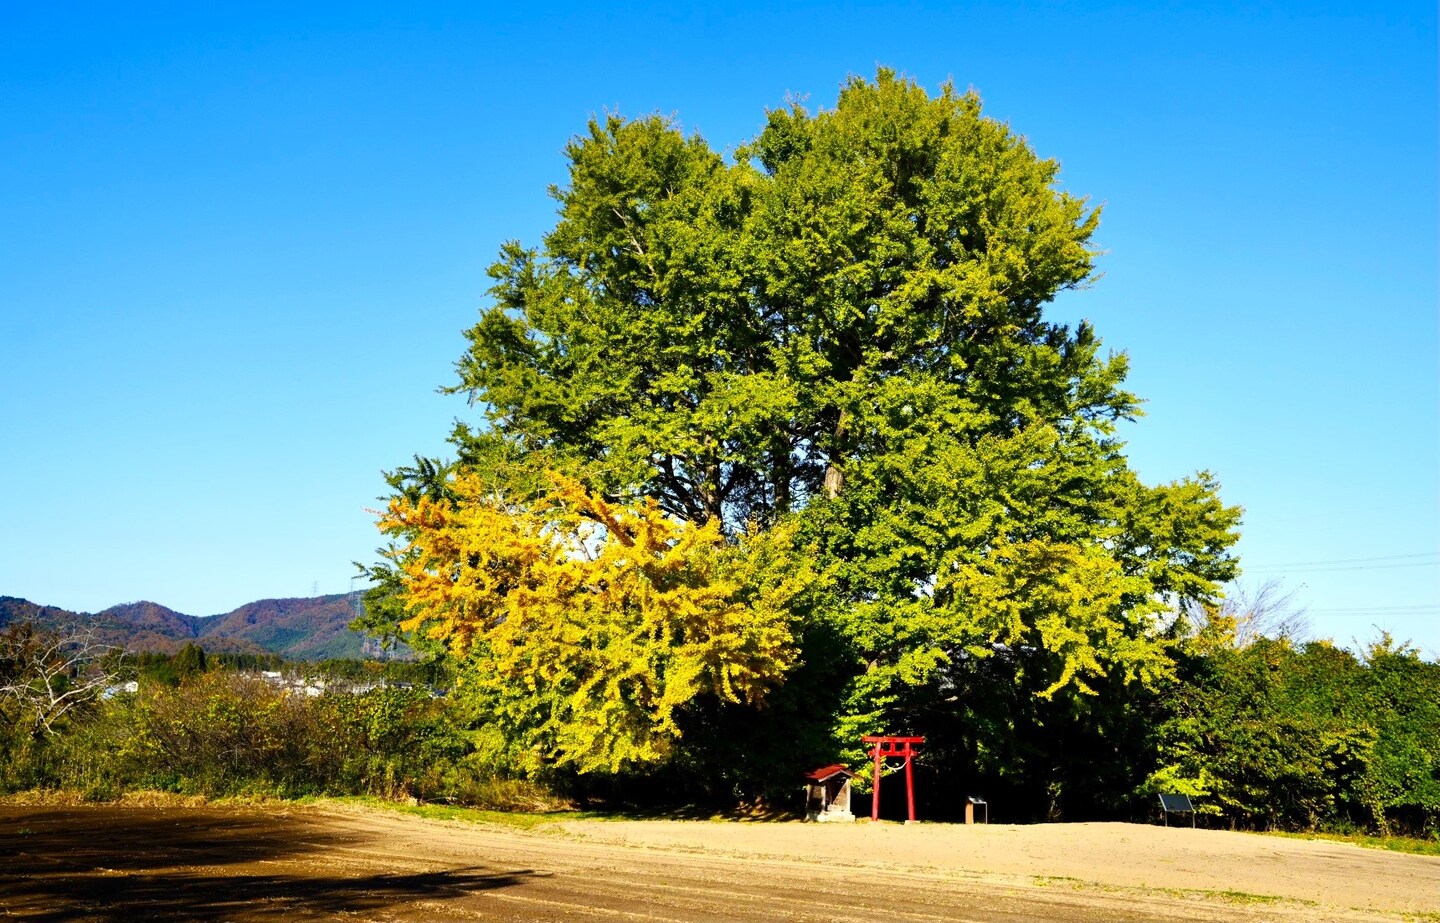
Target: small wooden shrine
{"points": [[828, 798]]}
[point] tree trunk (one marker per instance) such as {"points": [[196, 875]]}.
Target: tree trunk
{"points": [[834, 477]]}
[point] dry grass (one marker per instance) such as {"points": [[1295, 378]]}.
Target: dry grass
{"points": [[1405, 844], [136, 799], [525, 820]]}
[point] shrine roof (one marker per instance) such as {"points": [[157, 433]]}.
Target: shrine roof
{"points": [[826, 772]]}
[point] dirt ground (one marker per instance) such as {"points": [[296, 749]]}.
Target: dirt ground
{"points": [[226, 863]]}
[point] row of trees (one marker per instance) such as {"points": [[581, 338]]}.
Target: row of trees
{"points": [[212, 724], [1307, 736], [1266, 733]]}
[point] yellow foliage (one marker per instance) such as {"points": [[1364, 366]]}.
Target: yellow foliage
{"points": [[1072, 601], [590, 624]]}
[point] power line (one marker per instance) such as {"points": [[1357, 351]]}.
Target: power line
{"points": [[1389, 560], [1317, 569], [1416, 607], [1379, 618], [1386, 557]]}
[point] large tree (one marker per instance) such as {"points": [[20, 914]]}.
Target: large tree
{"points": [[843, 329], [706, 333]]}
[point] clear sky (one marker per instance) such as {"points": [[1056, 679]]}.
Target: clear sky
{"points": [[238, 249]]}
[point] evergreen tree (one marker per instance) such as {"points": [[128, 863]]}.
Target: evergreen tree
{"points": [[189, 661]]}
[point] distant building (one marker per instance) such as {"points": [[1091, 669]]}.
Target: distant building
{"points": [[120, 689]]}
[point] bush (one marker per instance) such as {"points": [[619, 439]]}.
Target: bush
{"points": [[1282, 737]]}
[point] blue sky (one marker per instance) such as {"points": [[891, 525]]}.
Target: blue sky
{"points": [[238, 249]]}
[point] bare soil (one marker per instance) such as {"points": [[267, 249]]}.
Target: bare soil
{"points": [[270, 863]]}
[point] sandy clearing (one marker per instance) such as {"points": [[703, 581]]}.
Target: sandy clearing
{"points": [[1112, 855], [97, 864]]}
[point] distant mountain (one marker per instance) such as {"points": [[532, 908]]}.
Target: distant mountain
{"points": [[297, 629]]}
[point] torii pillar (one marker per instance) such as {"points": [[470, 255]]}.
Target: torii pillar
{"points": [[883, 748]]}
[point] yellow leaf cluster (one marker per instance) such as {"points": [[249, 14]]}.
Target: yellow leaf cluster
{"points": [[1073, 601], [589, 624]]}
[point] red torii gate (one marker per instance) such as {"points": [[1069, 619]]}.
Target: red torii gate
{"points": [[885, 747]]}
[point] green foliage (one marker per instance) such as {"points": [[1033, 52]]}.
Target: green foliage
{"points": [[837, 340], [839, 336], [435, 674], [154, 667], [1401, 785], [1303, 738], [189, 661], [223, 733], [708, 333]]}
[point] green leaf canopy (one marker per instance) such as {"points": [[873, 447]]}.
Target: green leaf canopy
{"points": [[843, 326]]}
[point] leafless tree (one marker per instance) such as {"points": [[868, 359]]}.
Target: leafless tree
{"points": [[1264, 611], [47, 671], [1269, 611]]}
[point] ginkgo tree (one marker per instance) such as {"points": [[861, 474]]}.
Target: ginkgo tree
{"points": [[585, 625], [834, 345]]}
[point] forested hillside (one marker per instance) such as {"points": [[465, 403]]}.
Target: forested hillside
{"points": [[297, 629]]}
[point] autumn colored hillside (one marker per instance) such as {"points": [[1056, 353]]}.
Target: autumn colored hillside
{"points": [[298, 629]]}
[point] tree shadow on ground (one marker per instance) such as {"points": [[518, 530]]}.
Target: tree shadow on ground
{"points": [[745, 812], [78, 864]]}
